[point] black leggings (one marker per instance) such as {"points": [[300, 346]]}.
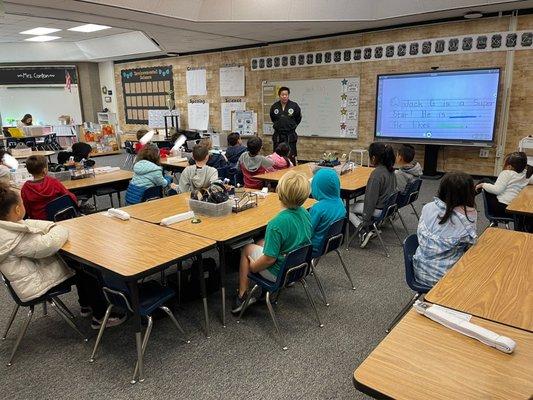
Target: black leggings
{"points": [[90, 293]]}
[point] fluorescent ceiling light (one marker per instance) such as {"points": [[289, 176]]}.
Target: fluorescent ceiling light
{"points": [[89, 28], [42, 38], [40, 31]]}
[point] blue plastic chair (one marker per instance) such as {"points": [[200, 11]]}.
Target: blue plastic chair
{"points": [[408, 197], [490, 214], [295, 268], [61, 209], [51, 297], [152, 296], [332, 242], [410, 245]]}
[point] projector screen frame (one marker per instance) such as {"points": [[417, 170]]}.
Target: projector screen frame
{"points": [[441, 142]]}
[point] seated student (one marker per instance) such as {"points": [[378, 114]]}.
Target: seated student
{"points": [[252, 163], [37, 193], [510, 182], [287, 231], [216, 158], [147, 173], [235, 149], [409, 169], [28, 259], [446, 229], [140, 133], [5, 175], [381, 184], [280, 157], [200, 175], [326, 189], [81, 151]]}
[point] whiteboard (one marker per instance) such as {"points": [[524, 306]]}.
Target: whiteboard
{"points": [[44, 103], [330, 107]]}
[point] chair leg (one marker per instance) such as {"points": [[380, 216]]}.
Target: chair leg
{"points": [[101, 332], [403, 223], [273, 316], [21, 334], [145, 342], [402, 312], [94, 201], [111, 200], [176, 323], [345, 268], [246, 302], [376, 231], [414, 210], [62, 314], [320, 288], [45, 309], [11, 319], [304, 284], [395, 231], [507, 226], [64, 307]]}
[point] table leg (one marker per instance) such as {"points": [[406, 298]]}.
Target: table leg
{"points": [[204, 292], [222, 262], [134, 293], [347, 227]]}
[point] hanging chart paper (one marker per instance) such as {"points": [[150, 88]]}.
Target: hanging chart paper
{"points": [[198, 115], [226, 110], [196, 82], [232, 81]]}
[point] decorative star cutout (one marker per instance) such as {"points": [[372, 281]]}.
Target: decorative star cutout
{"points": [[343, 111], [344, 81], [344, 96], [343, 126]]}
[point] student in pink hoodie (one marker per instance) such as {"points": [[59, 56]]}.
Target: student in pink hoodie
{"points": [[280, 157]]}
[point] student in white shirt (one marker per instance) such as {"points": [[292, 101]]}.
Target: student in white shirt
{"points": [[509, 183]]}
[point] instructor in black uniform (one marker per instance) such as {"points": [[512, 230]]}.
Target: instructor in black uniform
{"points": [[285, 116]]}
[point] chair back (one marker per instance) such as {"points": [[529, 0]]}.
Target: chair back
{"points": [[12, 293], [295, 266], [334, 237], [410, 194], [128, 146], [410, 244], [223, 173], [61, 209], [152, 193], [389, 208], [490, 213], [116, 291]]}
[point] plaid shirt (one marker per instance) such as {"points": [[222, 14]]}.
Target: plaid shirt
{"points": [[441, 245]]}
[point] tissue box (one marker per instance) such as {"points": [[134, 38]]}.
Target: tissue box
{"points": [[61, 175]]}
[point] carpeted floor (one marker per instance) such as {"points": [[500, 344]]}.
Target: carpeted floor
{"points": [[239, 361]]}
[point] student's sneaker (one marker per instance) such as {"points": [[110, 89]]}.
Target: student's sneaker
{"points": [[365, 238], [86, 311], [112, 321], [239, 303]]}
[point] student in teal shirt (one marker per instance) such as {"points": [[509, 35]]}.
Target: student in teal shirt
{"points": [[326, 189], [289, 230]]}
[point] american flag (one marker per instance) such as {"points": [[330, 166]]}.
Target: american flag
{"points": [[68, 81]]}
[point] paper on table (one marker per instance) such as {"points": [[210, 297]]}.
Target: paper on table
{"points": [[232, 81], [225, 111], [196, 82], [198, 114]]}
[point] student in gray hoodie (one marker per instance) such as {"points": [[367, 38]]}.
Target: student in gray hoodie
{"points": [[409, 169], [252, 163], [200, 175]]}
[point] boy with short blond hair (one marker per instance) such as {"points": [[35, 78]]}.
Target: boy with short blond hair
{"points": [[290, 229]]}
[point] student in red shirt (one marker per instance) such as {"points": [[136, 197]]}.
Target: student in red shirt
{"points": [[38, 193]]}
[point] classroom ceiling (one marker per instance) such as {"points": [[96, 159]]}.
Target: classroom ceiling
{"points": [[183, 26]]}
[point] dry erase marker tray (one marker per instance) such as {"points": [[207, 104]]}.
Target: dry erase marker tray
{"points": [[244, 201]]}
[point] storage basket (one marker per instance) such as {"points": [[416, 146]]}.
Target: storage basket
{"points": [[210, 209]]}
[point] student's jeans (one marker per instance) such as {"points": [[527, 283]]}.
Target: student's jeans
{"points": [[356, 213]]}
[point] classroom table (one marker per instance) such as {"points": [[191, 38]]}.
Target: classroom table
{"points": [[174, 166], [224, 230], [45, 153], [492, 280], [132, 250], [104, 179], [421, 359], [522, 206]]}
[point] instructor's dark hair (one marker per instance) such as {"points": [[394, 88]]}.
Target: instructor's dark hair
{"points": [[456, 190], [281, 89], [381, 153]]}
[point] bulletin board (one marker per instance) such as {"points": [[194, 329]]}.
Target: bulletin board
{"points": [[146, 89]]}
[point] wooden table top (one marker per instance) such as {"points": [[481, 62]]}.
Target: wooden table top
{"points": [[523, 203], [37, 153], [493, 280], [99, 179], [350, 181], [420, 359], [235, 224], [175, 165], [154, 211], [128, 248]]}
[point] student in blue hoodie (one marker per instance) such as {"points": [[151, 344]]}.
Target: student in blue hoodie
{"points": [[326, 189], [147, 173]]}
